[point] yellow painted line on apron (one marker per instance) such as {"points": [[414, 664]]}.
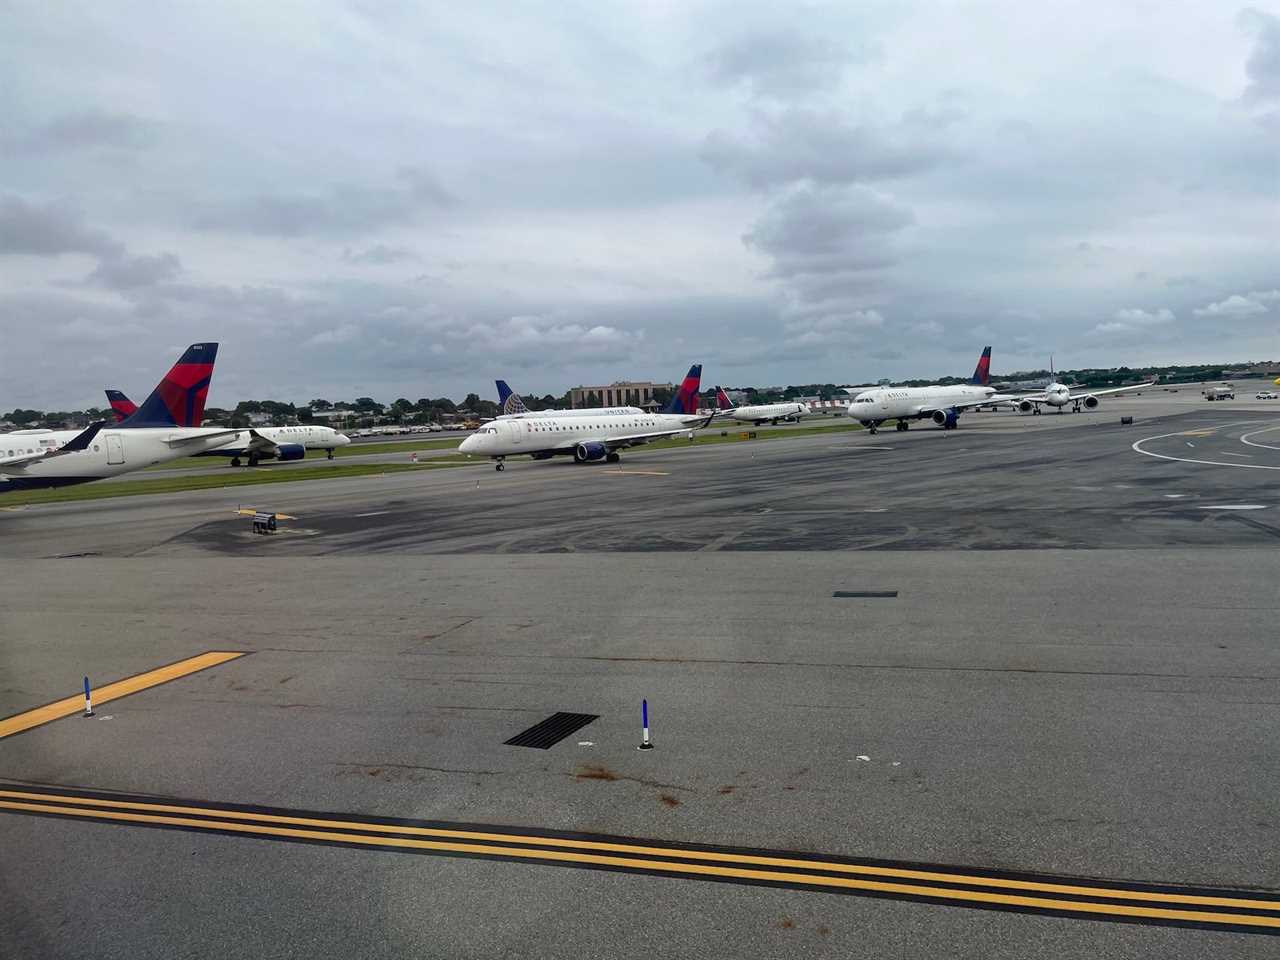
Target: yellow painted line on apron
{"points": [[497, 844], [114, 691]]}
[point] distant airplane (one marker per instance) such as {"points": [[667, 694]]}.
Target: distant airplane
{"points": [[261, 443], [941, 404], [588, 434], [1058, 395], [759, 413], [164, 428], [511, 405]]}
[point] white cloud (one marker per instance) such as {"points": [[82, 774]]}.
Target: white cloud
{"points": [[1235, 306]]}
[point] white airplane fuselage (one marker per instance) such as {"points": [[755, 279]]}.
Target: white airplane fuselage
{"points": [[766, 412], [909, 403], [111, 453], [297, 439], [585, 437]]}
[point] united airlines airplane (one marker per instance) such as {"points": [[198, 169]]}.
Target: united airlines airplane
{"points": [[587, 434]]}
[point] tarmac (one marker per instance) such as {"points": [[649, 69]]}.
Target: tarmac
{"points": [[972, 679]]}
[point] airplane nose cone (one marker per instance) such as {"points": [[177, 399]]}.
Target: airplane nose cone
{"points": [[343, 439], [467, 445]]}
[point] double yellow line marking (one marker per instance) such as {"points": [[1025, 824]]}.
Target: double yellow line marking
{"points": [[1240, 911], [114, 691]]}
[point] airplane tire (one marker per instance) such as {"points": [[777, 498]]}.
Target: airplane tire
{"points": [[613, 458], [235, 461], [499, 466]]}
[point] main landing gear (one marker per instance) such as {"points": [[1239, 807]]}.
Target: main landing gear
{"points": [[902, 425], [612, 458], [235, 461]]}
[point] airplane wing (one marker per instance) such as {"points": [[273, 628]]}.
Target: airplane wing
{"points": [[657, 435], [77, 443], [1103, 393], [175, 442], [995, 398]]}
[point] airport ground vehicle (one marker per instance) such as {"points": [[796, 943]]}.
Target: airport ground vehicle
{"points": [[1265, 395]]}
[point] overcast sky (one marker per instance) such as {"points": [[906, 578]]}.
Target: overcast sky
{"points": [[388, 198]]}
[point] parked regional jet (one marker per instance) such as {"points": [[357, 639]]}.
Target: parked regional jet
{"points": [[588, 434], [164, 428], [941, 404], [1059, 395], [511, 405], [759, 413], [261, 443]]}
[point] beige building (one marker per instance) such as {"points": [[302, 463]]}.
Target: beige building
{"points": [[624, 393]]}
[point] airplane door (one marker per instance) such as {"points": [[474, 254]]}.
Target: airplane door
{"points": [[515, 430], [115, 448]]}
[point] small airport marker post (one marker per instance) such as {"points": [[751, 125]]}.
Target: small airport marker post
{"points": [[645, 742], [88, 702]]}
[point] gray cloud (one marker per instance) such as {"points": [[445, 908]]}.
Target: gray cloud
{"points": [[379, 255], [784, 62], [86, 130], [49, 229], [345, 209], [1241, 305], [802, 143], [1262, 69], [128, 272]]}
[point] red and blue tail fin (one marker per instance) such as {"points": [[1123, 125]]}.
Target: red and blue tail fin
{"points": [[508, 400], [121, 406], [982, 374], [178, 401], [685, 399], [722, 400]]}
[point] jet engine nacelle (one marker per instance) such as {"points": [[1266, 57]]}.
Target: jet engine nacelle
{"points": [[1090, 403], [290, 451], [946, 418], [1026, 406], [590, 451]]}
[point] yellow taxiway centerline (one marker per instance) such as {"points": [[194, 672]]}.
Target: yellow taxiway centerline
{"points": [[677, 867], [496, 844], [114, 691]]}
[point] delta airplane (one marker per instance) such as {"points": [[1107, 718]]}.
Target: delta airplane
{"points": [[759, 413], [164, 428], [941, 404], [587, 434], [1059, 395], [512, 406], [264, 443]]}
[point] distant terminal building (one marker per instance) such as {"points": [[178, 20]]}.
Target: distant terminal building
{"points": [[624, 393]]}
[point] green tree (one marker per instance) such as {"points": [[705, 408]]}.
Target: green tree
{"points": [[472, 401], [320, 405]]}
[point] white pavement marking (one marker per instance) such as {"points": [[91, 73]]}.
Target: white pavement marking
{"points": [[1136, 446], [1244, 438], [1235, 506], [373, 513]]}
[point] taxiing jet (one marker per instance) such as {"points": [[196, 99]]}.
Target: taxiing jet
{"points": [[164, 428], [512, 406], [262, 443], [759, 413], [941, 404], [1059, 395], [588, 434]]}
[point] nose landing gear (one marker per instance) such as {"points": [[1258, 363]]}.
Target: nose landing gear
{"points": [[499, 466]]}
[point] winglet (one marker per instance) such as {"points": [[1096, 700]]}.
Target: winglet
{"points": [[82, 440]]}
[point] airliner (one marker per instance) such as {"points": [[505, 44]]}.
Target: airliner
{"points": [[1059, 395], [588, 434], [941, 404], [262, 443], [511, 405], [759, 413], [164, 428]]}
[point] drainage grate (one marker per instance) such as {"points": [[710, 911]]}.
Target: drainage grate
{"points": [[551, 731], [865, 593]]}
